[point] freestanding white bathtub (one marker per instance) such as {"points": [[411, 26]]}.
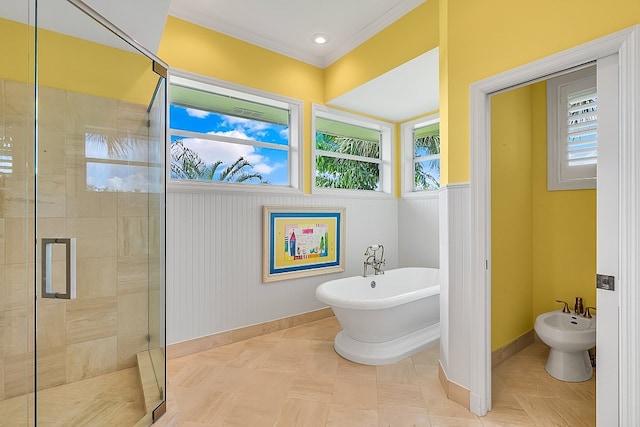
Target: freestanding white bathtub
{"points": [[387, 317]]}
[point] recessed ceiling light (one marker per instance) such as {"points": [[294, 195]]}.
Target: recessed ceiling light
{"points": [[320, 38]]}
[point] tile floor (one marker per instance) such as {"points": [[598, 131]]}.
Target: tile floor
{"points": [[113, 399], [294, 378]]}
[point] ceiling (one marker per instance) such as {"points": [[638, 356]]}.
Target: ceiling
{"points": [[283, 26], [287, 27]]}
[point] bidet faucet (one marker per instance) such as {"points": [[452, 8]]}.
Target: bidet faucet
{"points": [[565, 307], [373, 260]]}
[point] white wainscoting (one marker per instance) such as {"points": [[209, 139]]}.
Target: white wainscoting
{"points": [[418, 230], [214, 258], [455, 301]]}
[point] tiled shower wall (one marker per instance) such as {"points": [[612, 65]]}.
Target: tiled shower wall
{"points": [[107, 324]]}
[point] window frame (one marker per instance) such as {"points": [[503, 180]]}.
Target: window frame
{"points": [[587, 174], [386, 153], [295, 151], [408, 160]]}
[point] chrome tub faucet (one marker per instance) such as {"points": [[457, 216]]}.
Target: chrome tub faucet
{"points": [[372, 259]]}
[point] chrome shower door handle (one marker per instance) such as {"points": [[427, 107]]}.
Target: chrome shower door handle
{"points": [[50, 289]]}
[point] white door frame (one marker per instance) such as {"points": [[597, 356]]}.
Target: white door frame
{"points": [[627, 44]]}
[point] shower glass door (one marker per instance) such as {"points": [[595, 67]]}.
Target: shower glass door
{"points": [[16, 213], [99, 223]]}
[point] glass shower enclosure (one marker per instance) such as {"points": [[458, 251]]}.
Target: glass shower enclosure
{"points": [[82, 193]]}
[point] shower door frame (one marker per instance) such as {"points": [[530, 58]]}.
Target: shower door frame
{"points": [[160, 68]]}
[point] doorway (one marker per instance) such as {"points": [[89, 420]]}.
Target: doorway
{"points": [[543, 244], [626, 44]]}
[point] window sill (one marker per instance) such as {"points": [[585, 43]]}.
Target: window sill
{"points": [[248, 189], [340, 192], [422, 194]]}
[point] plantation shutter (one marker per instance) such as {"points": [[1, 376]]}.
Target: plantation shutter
{"points": [[581, 140], [573, 130]]}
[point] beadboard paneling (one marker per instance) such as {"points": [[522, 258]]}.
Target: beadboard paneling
{"points": [[214, 258], [455, 303], [418, 231]]}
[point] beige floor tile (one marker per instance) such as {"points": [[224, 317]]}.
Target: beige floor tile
{"points": [[249, 358], [427, 375], [303, 413], [191, 375], [429, 356], [111, 399], [397, 373], [295, 378], [252, 412], [444, 421], [507, 411], [327, 330], [392, 417], [323, 348], [546, 411], [220, 356], [286, 355], [196, 406], [348, 416], [406, 396], [313, 364], [347, 367], [267, 386], [356, 392], [317, 388]]}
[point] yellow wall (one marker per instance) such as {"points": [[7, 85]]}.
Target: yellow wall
{"points": [[16, 43], [564, 230], [408, 37], [543, 242], [82, 66], [486, 37], [76, 65], [511, 216], [202, 51]]}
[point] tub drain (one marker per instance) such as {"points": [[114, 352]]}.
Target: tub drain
{"points": [[373, 284]]}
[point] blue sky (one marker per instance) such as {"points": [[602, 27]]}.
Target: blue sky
{"points": [[121, 176], [272, 164]]}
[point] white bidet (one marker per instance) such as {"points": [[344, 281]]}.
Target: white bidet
{"points": [[570, 336]]}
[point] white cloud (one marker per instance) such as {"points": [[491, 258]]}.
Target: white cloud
{"points": [[197, 113], [263, 168], [212, 151], [232, 133], [250, 127]]}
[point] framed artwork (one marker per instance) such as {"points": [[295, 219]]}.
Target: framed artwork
{"points": [[300, 242]]}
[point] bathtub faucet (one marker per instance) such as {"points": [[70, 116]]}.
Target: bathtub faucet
{"points": [[374, 260]]}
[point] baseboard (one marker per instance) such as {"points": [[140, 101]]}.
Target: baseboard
{"points": [[503, 353], [455, 392], [460, 394], [229, 337]]}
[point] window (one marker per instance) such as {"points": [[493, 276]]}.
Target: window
{"points": [[121, 163], [421, 147], [572, 122], [223, 134], [351, 152]]}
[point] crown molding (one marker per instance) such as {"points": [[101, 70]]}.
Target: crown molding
{"points": [[321, 61]]}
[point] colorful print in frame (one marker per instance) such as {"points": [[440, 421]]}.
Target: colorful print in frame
{"points": [[300, 242]]}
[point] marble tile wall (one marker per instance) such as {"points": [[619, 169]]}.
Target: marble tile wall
{"points": [[117, 238]]}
